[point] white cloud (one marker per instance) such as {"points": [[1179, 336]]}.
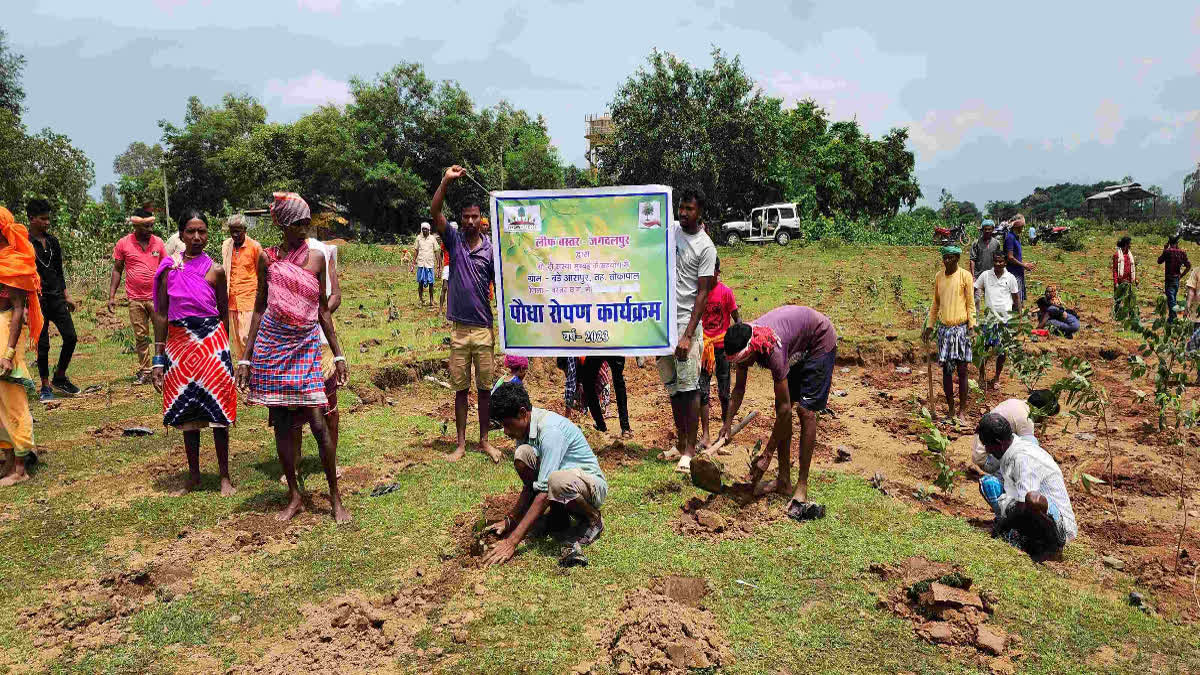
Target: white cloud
{"points": [[312, 89], [169, 6], [320, 6], [841, 98], [941, 131], [1108, 121]]}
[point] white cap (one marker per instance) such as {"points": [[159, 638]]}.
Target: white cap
{"points": [[424, 226]]}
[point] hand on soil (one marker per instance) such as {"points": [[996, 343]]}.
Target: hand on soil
{"points": [[503, 552]]}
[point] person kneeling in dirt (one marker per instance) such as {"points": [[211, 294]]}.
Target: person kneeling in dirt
{"points": [[799, 346], [1022, 416], [1056, 318], [1029, 498], [556, 465]]}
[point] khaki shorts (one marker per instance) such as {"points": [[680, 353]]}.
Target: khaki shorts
{"points": [[564, 485], [470, 348], [683, 376]]}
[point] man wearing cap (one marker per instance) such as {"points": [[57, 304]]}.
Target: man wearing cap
{"points": [[953, 313], [424, 262], [1029, 497], [1023, 417], [984, 248]]}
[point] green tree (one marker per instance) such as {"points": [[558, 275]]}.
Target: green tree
{"points": [[954, 212], [685, 126], [1191, 193], [12, 65]]}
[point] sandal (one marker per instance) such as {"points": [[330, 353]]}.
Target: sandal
{"points": [[801, 511]]}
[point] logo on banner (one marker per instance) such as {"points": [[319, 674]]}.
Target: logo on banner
{"points": [[523, 219], [648, 218]]}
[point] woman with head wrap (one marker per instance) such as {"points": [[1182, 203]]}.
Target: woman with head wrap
{"points": [[282, 364], [19, 289], [192, 365]]}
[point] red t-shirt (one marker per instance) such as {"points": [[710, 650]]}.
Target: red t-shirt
{"points": [[718, 312], [140, 265]]}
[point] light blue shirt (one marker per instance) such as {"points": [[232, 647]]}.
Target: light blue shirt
{"points": [[559, 445]]}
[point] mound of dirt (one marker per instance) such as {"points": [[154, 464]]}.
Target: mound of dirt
{"points": [[467, 531], [89, 614], [938, 599], [728, 516], [392, 377], [654, 633], [687, 591], [346, 634]]}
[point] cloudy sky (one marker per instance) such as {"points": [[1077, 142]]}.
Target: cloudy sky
{"points": [[999, 97]]}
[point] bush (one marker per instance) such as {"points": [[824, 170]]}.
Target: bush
{"points": [[1071, 241]]}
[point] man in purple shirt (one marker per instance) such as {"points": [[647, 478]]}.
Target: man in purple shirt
{"points": [[469, 311], [799, 346]]}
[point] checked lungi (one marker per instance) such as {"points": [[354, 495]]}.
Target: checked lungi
{"points": [[285, 369], [954, 344]]}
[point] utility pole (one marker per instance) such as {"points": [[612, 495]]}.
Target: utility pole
{"points": [[166, 199]]}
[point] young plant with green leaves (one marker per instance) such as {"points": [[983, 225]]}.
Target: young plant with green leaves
{"points": [[936, 445], [1087, 399]]}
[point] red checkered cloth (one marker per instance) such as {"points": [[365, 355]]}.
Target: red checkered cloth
{"points": [[285, 369]]}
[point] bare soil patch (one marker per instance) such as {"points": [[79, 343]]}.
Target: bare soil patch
{"points": [[723, 516], [655, 633]]}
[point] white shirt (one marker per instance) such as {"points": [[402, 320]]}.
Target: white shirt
{"points": [[427, 247], [1026, 467], [998, 292], [1016, 412], [330, 253], [695, 257], [174, 245]]}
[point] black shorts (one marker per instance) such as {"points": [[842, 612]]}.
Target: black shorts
{"points": [[809, 381]]}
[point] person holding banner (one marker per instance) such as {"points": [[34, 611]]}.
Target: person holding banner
{"points": [[799, 346], [469, 311], [695, 269]]}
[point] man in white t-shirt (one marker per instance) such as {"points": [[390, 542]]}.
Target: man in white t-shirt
{"points": [[695, 269], [1001, 296]]}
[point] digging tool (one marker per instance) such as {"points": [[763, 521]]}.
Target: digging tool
{"points": [[732, 432], [708, 473], [929, 376]]}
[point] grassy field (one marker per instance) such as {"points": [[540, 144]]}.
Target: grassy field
{"points": [[103, 572]]}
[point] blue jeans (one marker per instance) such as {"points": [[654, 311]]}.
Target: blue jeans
{"points": [[1068, 326], [1172, 291]]}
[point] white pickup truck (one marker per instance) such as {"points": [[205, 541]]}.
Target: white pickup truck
{"points": [[773, 222]]}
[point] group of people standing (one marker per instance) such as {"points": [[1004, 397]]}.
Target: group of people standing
{"points": [[260, 320]]}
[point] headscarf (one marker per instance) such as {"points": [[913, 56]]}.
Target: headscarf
{"points": [[762, 341], [236, 219], [424, 226], [951, 250], [18, 268], [1018, 221], [289, 208], [986, 222], [514, 361]]}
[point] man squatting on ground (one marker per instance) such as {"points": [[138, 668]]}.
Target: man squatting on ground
{"points": [[1029, 498], [953, 311], [470, 310], [557, 467], [57, 304], [799, 346], [695, 269]]}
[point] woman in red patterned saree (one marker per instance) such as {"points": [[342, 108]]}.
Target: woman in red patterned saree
{"points": [[192, 365]]}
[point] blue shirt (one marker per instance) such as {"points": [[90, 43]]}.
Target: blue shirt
{"points": [[1013, 245], [471, 273], [560, 444]]}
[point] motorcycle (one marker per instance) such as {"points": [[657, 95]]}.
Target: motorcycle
{"points": [[943, 236], [1052, 232], [1189, 231]]}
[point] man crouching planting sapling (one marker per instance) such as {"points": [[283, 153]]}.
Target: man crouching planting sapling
{"points": [[559, 471]]}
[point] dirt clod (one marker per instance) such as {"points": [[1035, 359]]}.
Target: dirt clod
{"points": [[653, 633]]}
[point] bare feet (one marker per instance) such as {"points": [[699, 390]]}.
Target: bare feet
{"points": [[995, 385], [457, 454], [296, 505], [488, 450], [958, 421], [191, 484], [227, 489], [14, 478], [340, 514], [770, 486]]}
